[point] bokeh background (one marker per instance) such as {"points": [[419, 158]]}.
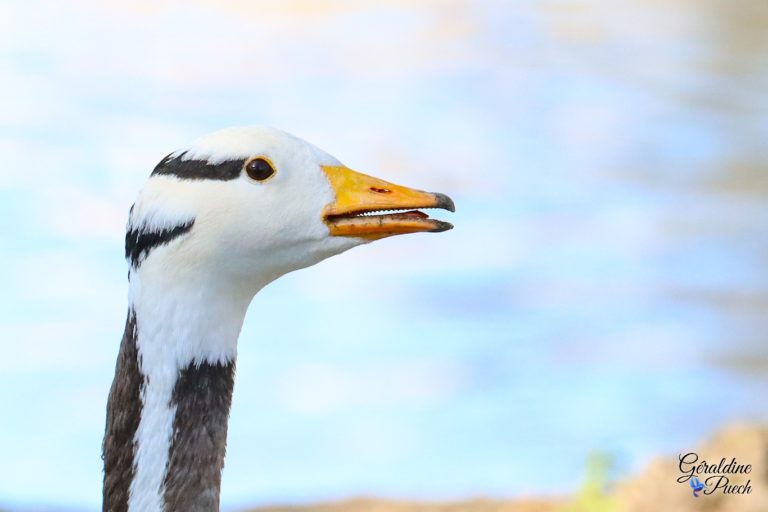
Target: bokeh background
{"points": [[605, 287]]}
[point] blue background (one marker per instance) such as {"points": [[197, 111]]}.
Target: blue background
{"points": [[605, 287]]}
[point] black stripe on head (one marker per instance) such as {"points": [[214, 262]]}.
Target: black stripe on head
{"points": [[140, 241], [191, 169], [202, 397], [123, 413]]}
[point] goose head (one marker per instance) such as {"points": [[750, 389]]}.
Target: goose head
{"points": [[247, 205]]}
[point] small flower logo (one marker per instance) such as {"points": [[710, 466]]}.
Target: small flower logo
{"points": [[697, 486]]}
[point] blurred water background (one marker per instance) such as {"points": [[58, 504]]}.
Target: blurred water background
{"points": [[605, 287]]}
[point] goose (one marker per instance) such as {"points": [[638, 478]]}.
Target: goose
{"points": [[215, 223]]}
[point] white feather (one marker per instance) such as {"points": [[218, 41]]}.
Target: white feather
{"points": [[238, 142]]}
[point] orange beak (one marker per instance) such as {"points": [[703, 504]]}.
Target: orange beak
{"points": [[361, 203]]}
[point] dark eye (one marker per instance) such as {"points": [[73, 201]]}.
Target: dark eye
{"points": [[259, 169]]}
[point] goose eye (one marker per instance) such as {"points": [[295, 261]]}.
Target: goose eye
{"points": [[259, 169]]}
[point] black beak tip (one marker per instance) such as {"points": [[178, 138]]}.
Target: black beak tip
{"points": [[445, 202], [441, 226]]}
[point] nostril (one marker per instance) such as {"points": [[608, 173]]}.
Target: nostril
{"points": [[380, 190]]}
